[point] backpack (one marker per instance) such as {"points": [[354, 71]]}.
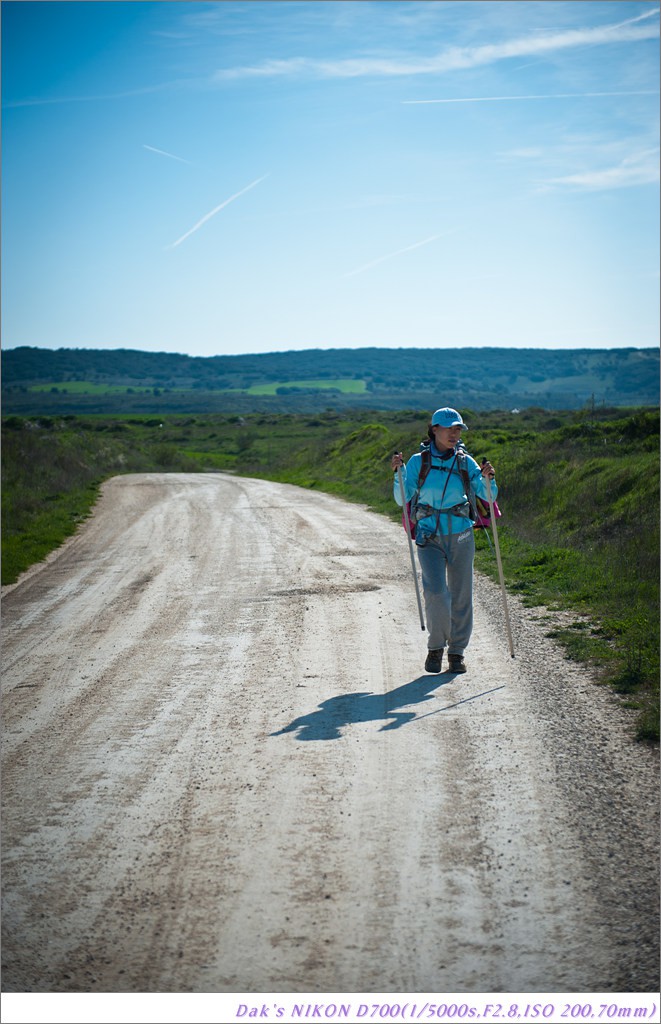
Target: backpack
{"points": [[480, 512]]}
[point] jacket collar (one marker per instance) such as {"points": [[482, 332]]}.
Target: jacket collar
{"points": [[449, 453]]}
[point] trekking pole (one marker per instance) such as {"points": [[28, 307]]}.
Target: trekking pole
{"points": [[500, 567], [407, 524]]}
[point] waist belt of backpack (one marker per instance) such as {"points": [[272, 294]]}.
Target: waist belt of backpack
{"points": [[424, 511]]}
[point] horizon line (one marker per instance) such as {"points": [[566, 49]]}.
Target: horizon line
{"points": [[561, 347]]}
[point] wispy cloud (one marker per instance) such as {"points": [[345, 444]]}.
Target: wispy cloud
{"points": [[398, 252], [537, 96], [92, 97], [454, 58], [164, 153], [637, 169], [215, 210]]}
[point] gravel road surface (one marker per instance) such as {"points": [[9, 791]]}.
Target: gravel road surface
{"points": [[225, 769]]}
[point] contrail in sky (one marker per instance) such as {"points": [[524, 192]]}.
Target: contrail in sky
{"points": [[543, 96], [408, 248], [163, 153], [641, 17], [215, 210]]}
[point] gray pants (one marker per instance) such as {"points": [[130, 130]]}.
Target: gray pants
{"points": [[447, 582]]}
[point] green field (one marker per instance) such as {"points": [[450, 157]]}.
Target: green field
{"points": [[347, 385]]}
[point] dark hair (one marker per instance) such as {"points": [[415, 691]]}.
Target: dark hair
{"points": [[430, 431]]}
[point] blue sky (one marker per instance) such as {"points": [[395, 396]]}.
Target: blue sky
{"points": [[247, 176]]}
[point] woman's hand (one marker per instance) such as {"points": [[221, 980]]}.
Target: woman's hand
{"points": [[487, 469], [397, 461]]}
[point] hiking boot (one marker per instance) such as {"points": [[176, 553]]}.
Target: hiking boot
{"points": [[457, 663], [434, 659]]}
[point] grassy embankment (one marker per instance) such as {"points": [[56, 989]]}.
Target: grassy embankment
{"points": [[579, 493]]}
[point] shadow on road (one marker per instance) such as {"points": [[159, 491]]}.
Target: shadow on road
{"points": [[326, 723]]}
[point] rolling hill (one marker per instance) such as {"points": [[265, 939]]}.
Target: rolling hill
{"points": [[36, 380]]}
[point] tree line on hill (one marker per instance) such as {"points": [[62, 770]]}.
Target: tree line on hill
{"points": [[394, 378]]}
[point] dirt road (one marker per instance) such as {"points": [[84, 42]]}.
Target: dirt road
{"points": [[225, 769]]}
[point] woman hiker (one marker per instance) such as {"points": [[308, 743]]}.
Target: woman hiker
{"points": [[441, 507]]}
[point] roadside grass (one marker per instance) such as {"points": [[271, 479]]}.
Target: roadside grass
{"points": [[615, 613], [47, 529], [52, 469], [579, 495], [581, 532]]}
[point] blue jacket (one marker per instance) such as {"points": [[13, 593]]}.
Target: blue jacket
{"points": [[442, 491]]}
